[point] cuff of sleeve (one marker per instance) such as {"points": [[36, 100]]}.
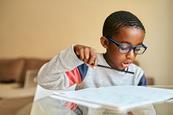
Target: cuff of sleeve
{"points": [[69, 58]]}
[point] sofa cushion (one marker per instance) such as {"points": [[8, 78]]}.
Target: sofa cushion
{"points": [[32, 64], [35, 63], [11, 70], [30, 78]]}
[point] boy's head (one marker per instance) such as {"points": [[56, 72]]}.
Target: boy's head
{"points": [[123, 35]]}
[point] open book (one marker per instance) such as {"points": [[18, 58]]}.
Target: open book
{"points": [[119, 98]]}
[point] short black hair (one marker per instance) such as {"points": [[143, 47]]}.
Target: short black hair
{"points": [[118, 20]]}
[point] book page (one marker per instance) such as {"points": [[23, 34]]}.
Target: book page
{"points": [[119, 98]]}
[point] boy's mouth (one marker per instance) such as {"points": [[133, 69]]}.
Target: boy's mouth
{"points": [[126, 64]]}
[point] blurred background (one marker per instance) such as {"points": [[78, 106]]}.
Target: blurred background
{"points": [[39, 29]]}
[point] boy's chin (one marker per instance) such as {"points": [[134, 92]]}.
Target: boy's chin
{"points": [[120, 68]]}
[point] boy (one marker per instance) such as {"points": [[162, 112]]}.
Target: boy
{"points": [[123, 35]]}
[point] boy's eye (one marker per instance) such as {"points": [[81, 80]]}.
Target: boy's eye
{"points": [[138, 49], [125, 46]]}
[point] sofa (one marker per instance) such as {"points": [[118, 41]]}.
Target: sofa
{"points": [[17, 84], [15, 70]]}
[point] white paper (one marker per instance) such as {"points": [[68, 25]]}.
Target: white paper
{"points": [[120, 98]]}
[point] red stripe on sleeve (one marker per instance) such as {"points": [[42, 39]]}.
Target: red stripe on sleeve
{"points": [[73, 76]]}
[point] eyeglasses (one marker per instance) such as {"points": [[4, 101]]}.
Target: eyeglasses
{"points": [[126, 47]]}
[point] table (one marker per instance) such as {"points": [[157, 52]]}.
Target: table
{"points": [[49, 105]]}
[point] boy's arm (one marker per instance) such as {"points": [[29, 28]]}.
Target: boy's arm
{"points": [[54, 74]]}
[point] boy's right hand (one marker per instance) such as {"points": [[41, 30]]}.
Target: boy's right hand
{"points": [[86, 54]]}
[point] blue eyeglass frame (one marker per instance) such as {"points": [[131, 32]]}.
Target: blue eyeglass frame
{"points": [[132, 47]]}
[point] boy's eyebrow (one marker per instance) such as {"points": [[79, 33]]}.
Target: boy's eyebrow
{"points": [[126, 71], [130, 43]]}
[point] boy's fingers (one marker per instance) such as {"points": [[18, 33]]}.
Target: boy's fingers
{"points": [[95, 62], [81, 54], [92, 60], [86, 53]]}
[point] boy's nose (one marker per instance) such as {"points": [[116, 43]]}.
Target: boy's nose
{"points": [[130, 55]]}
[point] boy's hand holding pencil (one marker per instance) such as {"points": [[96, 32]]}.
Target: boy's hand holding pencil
{"points": [[86, 54]]}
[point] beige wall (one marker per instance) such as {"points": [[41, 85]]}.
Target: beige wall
{"points": [[41, 28], [171, 41]]}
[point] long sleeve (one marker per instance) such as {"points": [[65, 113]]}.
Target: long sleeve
{"points": [[53, 74]]}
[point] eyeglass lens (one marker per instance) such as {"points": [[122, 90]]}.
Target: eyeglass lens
{"points": [[125, 48]]}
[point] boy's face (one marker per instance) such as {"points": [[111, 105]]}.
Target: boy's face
{"points": [[114, 57]]}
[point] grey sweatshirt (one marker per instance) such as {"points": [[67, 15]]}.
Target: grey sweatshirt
{"points": [[66, 71]]}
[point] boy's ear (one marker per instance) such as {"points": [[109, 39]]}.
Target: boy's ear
{"points": [[104, 41]]}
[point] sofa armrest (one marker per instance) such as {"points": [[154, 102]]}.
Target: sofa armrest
{"points": [[30, 79]]}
